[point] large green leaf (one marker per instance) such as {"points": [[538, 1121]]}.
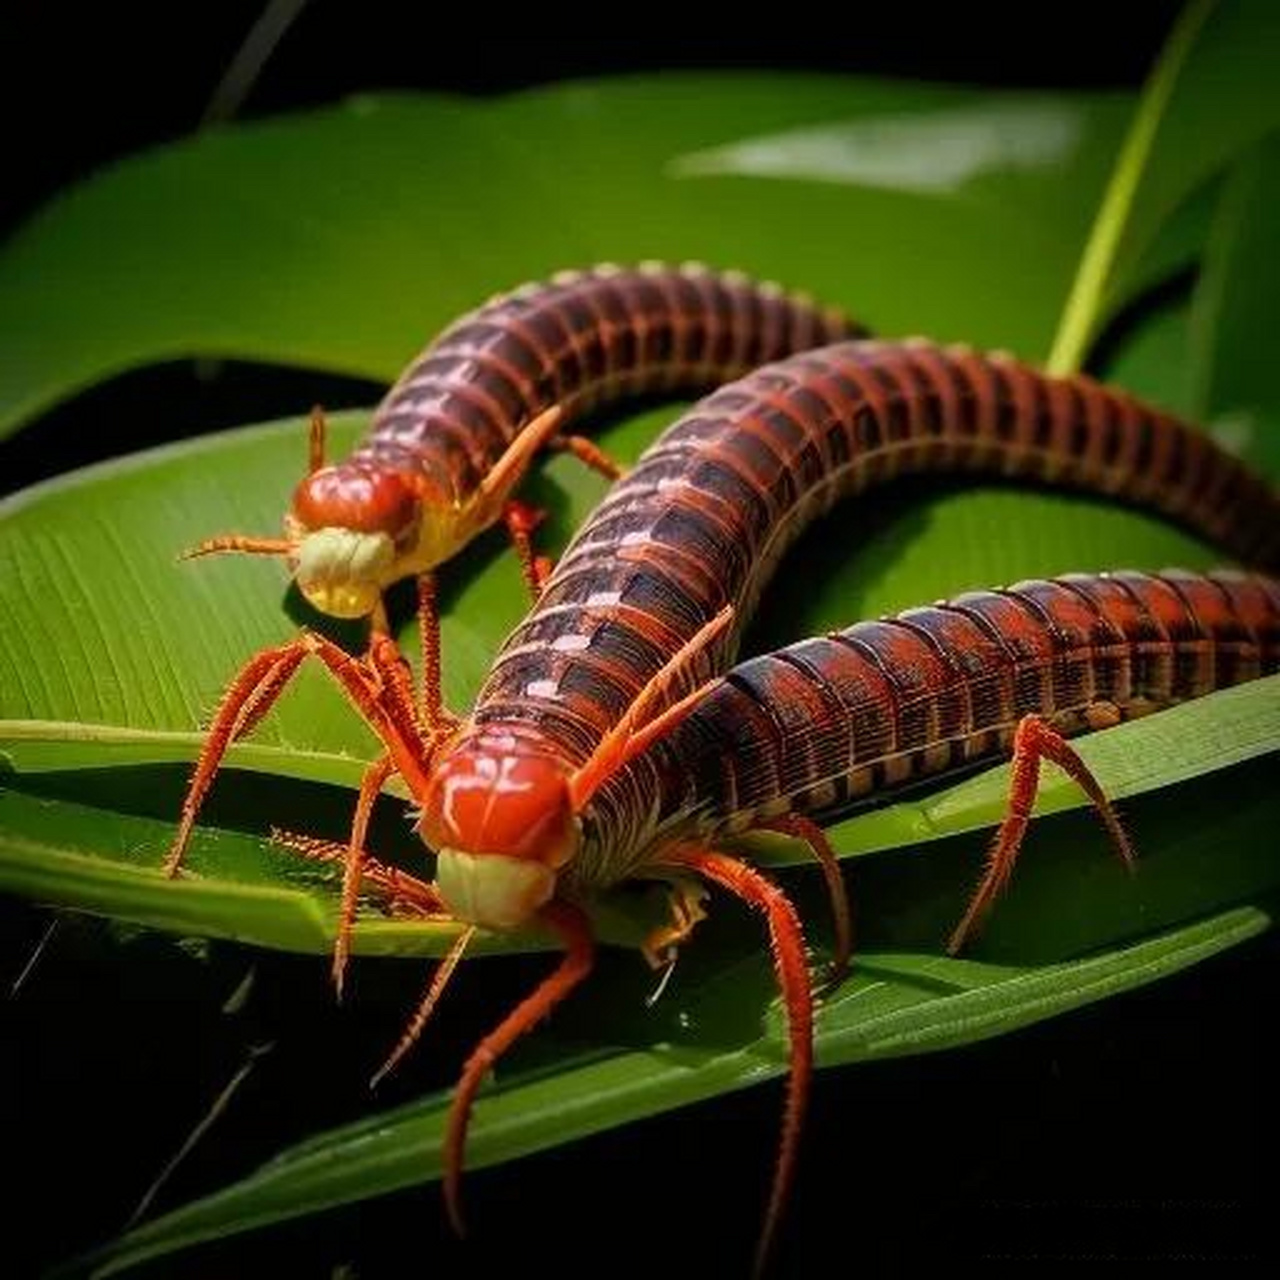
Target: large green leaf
{"points": [[902, 999], [1234, 383], [1210, 97], [343, 238]]}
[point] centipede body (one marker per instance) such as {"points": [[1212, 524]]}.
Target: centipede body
{"points": [[708, 512]]}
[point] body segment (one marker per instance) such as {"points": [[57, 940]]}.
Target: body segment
{"points": [[583, 340], [453, 437], [702, 520], [821, 725]]}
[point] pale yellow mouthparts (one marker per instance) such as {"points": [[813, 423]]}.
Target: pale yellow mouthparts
{"points": [[343, 572], [491, 889]]}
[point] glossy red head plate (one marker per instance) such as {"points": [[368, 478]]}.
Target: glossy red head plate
{"points": [[501, 821], [491, 797], [346, 497]]}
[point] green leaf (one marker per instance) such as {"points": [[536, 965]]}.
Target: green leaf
{"points": [[1098, 264], [90, 853], [1210, 97], [344, 238], [1233, 381], [1155, 361], [1175, 250], [901, 1000]]}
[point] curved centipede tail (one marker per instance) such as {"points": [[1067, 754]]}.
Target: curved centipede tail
{"points": [[572, 926], [786, 940]]}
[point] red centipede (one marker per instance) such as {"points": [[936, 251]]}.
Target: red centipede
{"points": [[815, 728], [454, 436], [557, 784]]}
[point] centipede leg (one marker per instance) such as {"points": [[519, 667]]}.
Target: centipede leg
{"points": [[802, 828], [589, 454], [522, 520], [426, 1006], [645, 721], [404, 893], [575, 931], [257, 686], [431, 703], [261, 700], [685, 897], [786, 939], [434, 719], [315, 442], [1034, 740], [246, 701], [402, 889], [375, 776]]}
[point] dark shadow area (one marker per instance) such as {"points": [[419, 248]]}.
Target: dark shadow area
{"points": [[117, 95], [163, 403], [1166, 295], [991, 1152]]}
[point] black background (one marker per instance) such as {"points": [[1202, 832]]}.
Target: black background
{"points": [[1133, 1129]]}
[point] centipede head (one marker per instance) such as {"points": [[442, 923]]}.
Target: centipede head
{"points": [[350, 525], [499, 814]]}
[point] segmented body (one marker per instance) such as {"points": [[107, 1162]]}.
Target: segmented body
{"points": [[820, 725], [582, 340], [705, 515], [575, 769]]}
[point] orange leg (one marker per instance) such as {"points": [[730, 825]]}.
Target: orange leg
{"points": [[1034, 740], [786, 940], [261, 681], [405, 893], [430, 998], [264, 695], [685, 897], [589, 454], [315, 444], [640, 726], [522, 520], [435, 719], [425, 719], [353, 864], [795, 824], [390, 673], [246, 701], [572, 926], [432, 711]]}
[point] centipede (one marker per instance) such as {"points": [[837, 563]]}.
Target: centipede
{"points": [[589, 758], [452, 439]]}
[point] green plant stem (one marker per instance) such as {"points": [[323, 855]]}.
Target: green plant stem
{"points": [[1084, 303]]}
